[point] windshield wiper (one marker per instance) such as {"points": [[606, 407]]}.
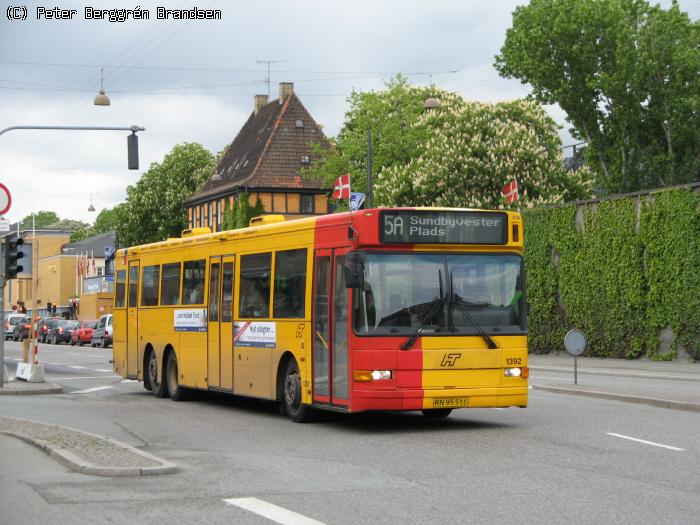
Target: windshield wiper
{"points": [[456, 300], [437, 302]]}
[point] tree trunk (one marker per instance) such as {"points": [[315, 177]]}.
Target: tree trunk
{"points": [[601, 159]]}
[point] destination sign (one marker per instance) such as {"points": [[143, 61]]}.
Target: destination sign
{"points": [[442, 227]]}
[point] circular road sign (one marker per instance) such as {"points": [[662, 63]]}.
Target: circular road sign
{"points": [[575, 342], [5, 199]]}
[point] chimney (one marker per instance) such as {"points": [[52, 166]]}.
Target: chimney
{"points": [[286, 88], [260, 101]]}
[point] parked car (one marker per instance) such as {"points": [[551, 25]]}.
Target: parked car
{"points": [[83, 333], [102, 334], [9, 325], [61, 331], [21, 329], [45, 324]]}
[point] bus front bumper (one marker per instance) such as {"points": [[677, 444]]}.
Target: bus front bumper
{"points": [[423, 399]]}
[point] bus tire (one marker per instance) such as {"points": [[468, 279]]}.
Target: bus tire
{"points": [[175, 391], [291, 394], [437, 413], [157, 386]]}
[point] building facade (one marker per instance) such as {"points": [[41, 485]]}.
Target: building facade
{"points": [[265, 161], [66, 273]]}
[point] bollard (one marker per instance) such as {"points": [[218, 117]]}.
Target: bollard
{"points": [[25, 350]]}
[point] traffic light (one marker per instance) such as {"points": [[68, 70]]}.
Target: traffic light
{"points": [[12, 254], [132, 150]]}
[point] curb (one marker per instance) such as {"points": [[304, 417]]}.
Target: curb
{"points": [[660, 403], [27, 391], [70, 460]]}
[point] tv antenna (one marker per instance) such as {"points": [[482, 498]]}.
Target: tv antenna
{"points": [[267, 80]]}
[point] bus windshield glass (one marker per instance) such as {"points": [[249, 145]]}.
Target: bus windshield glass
{"points": [[400, 291]]}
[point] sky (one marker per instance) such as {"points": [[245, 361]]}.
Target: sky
{"points": [[194, 80]]}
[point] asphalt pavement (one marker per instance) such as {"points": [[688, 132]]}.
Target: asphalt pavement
{"points": [[671, 385], [565, 459]]}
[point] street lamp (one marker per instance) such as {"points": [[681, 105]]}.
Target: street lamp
{"points": [[102, 99], [91, 207]]}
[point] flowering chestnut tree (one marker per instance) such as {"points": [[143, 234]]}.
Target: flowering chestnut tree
{"points": [[473, 149]]}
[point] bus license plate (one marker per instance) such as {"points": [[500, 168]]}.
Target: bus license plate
{"points": [[450, 402]]}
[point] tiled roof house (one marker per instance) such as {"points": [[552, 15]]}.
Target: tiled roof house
{"points": [[265, 160]]}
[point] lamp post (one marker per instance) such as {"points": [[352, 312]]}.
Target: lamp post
{"points": [[34, 372], [429, 104]]}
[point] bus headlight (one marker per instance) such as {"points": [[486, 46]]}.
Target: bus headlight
{"points": [[513, 372], [373, 375]]}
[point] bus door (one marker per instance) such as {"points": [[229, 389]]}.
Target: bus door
{"points": [[330, 324], [220, 322], [132, 320]]}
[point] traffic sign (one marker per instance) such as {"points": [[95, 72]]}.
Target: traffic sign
{"points": [[575, 342], [5, 199]]}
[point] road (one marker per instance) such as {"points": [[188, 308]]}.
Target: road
{"points": [[565, 459]]}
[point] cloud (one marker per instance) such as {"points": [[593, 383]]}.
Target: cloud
{"points": [[195, 80]]}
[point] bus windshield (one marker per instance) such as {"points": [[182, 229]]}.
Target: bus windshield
{"points": [[400, 292]]}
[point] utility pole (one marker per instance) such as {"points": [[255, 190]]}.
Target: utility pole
{"points": [[2, 312], [267, 80]]}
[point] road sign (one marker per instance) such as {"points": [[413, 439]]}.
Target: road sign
{"points": [[575, 342], [4, 225], [5, 199]]}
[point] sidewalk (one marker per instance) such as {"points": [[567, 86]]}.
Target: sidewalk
{"points": [[663, 384]]}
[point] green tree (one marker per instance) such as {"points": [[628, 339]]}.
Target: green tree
{"points": [[390, 115], [153, 209], [106, 221], [474, 149], [42, 219], [626, 73]]}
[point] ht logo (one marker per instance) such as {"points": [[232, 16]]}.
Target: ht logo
{"points": [[449, 359]]}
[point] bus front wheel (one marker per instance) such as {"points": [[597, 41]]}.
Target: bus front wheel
{"points": [[157, 386], [175, 390], [296, 410]]}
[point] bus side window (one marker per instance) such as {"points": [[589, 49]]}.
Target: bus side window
{"points": [[290, 284], [170, 285], [193, 282], [120, 290], [254, 289]]}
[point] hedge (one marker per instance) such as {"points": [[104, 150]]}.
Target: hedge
{"points": [[624, 270]]}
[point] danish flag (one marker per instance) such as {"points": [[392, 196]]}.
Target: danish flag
{"points": [[341, 190], [510, 191]]}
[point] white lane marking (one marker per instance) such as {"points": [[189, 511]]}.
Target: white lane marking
{"points": [[271, 512], [72, 353], [88, 390], [78, 367], [646, 442], [93, 355], [552, 378], [103, 370], [129, 380], [498, 408], [84, 377]]}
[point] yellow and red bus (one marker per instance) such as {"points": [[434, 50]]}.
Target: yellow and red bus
{"points": [[382, 309]]}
